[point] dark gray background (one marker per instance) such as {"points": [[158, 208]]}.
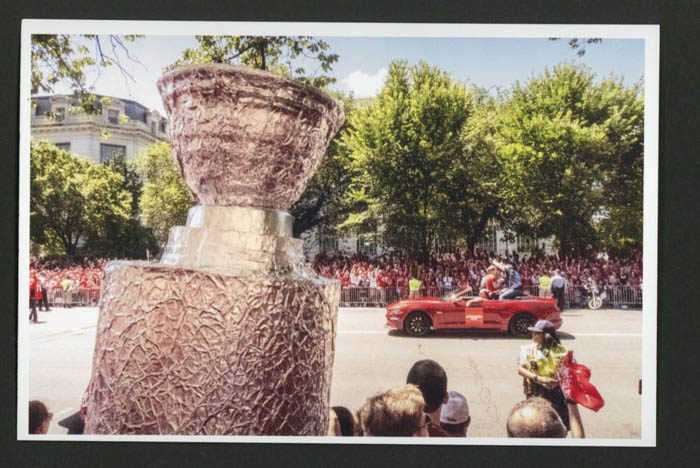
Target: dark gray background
{"points": [[679, 311]]}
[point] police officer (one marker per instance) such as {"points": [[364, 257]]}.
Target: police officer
{"points": [[414, 285], [538, 364], [558, 286], [544, 284]]}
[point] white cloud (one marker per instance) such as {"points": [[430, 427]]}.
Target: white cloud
{"points": [[363, 85]]}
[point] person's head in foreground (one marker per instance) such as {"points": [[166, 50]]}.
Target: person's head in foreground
{"points": [[39, 417], [345, 419], [397, 412], [544, 334], [431, 379], [454, 415], [535, 418]]}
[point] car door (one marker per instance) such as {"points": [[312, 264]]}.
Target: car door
{"points": [[452, 314], [473, 317]]}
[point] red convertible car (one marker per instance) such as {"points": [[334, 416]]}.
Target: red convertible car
{"points": [[460, 310]]}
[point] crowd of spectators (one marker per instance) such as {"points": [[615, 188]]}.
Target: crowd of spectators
{"points": [[54, 283], [84, 274], [424, 407], [458, 270], [441, 272]]}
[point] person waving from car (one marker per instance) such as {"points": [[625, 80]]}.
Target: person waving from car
{"points": [[513, 283]]}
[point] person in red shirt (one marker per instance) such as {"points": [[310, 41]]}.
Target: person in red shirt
{"points": [[381, 285], [34, 292], [490, 284]]}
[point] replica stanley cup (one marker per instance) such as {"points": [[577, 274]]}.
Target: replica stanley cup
{"points": [[231, 333]]}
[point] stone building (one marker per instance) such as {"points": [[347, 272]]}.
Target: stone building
{"points": [[123, 126]]}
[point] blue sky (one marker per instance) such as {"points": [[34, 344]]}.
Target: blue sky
{"points": [[362, 64]]}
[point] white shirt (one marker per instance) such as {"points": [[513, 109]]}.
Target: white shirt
{"points": [[372, 280], [557, 281]]}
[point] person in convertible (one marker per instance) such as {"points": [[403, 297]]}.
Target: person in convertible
{"points": [[513, 282], [491, 283]]}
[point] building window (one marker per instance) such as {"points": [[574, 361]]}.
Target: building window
{"points": [[162, 126], [60, 114], [367, 248], [328, 243], [109, 152], [526, 243], [113, 116], [63, 146]]}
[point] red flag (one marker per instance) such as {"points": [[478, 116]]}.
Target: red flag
{"points": [[574, 380]]}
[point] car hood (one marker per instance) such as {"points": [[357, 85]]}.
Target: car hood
{"points": [[413, 302]]}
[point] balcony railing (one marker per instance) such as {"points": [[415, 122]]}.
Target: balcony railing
{"points": [[97, 119]]}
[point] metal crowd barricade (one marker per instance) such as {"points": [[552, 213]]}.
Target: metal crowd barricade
{"points": [[624, 296], [618, 297], [363, 296], [81, 297]]}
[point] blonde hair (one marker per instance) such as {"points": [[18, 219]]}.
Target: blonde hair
{"points": [[394, 412]]}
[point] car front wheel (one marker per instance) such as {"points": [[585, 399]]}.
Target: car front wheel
{"points": [[417, 324]]}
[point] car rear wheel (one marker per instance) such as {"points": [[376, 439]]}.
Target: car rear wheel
{"points": [[417, 324], [519, 325]]}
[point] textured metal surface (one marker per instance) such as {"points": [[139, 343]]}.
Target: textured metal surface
{"points": [[231, 333], [245, 137], [234, 238], [193, 352]]}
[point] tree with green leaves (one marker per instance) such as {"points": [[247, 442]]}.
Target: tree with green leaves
{"points": [[579, 44], [476, 199], [619, 229], [119, 238], [166, 199], [409, 161], [564, 144], [65, 58], [286, 55], [72, 198]]}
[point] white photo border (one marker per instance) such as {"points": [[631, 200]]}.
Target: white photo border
{"points": [[648, 33]]}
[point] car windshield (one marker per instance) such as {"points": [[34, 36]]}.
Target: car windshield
{"points": [[458, 295]]}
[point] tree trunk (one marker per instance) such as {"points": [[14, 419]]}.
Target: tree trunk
{"points": [[478, 231], [262, 57]]}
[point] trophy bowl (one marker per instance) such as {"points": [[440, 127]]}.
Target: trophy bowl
{"points": [[246, 137]]}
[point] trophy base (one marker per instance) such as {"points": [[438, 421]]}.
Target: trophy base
{"points": [[194, 352]]}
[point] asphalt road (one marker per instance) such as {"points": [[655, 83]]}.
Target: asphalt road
{"points": [[482, 366], [369, 358]]}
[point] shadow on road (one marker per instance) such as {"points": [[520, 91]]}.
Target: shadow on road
{"points": [[472, 334]]}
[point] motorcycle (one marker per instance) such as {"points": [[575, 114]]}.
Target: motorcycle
{"points": [[595, 297]]}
